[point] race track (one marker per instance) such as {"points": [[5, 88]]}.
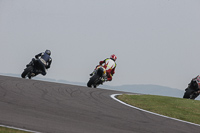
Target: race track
{"points": [[60, 108]]}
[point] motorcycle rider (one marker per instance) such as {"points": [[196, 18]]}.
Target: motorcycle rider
{"points": [[109, 64], [194, 84], [44, 62]]}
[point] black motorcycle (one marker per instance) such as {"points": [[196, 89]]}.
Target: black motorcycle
{"points": [[192, 91], [31, 70], [98, 77]]}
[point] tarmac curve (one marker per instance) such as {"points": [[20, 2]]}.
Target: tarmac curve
{"points": [[48, 107]]}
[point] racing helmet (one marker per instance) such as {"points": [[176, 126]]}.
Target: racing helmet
{"points": [[48, 52], [114, 57]]}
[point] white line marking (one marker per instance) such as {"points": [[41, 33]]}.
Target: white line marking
{"points": [[114, 97], [19, 129]]}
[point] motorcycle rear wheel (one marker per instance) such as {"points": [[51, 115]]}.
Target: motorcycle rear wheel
{"points": [[26, 71]]}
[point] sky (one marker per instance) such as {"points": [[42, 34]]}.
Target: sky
{"points": [[155, 41]]}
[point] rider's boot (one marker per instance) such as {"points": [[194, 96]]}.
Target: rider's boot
{"points": [[31, 75]]}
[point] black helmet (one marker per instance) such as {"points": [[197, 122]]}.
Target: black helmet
{"points": [[48, 52]]}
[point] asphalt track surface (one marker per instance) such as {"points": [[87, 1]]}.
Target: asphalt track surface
{"points": [[60, 108]]}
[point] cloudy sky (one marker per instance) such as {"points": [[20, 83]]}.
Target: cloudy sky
{"points": [[156, 41]]}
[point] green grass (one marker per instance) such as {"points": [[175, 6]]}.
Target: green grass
{"points": [[183, 109], [8, 130]]}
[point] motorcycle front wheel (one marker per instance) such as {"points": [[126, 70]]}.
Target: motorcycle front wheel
{"points": [[26, 71], [188, 93], [93, 80]]}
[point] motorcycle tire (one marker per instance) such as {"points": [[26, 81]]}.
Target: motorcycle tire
{"points": [[26, 71], [188, 93], [93, 80], [194, 95]]}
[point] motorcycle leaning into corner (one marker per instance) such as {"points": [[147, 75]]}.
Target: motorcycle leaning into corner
{"points": [[193, 89], [32, 69], [98, 77]]}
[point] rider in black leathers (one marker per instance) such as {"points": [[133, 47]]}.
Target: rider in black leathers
{"points": [[44, 62]]}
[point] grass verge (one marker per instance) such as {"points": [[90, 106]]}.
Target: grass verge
{"points": [[8, 130], [183, 109]]}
